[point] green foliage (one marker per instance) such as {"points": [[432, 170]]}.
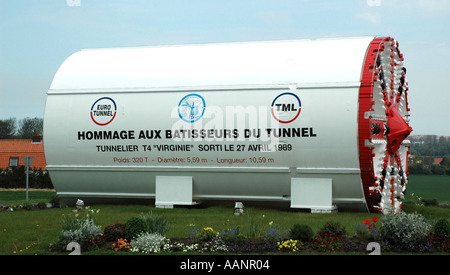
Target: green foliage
{"points": [[232, 236], [80, 227], [368, 230], [442, 228], [155, 223], [115, 231], [15, 177], [425, 149], [255, 225], [329, 237], [38, 230], [145, 223], [135, 226], [274, 234], [440, 239], [207, 234], [26, 205], [408, 231], [333, 228], [431, 145], [301, 232], [86, 233], [54, 200], [428, 202]]}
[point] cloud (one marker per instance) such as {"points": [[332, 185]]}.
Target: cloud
{"points": [[369, 16]]}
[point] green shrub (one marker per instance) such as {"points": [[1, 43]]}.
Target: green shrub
{"points": [[274, 234], [134, 226], [55, 201], [80, 227], [27, 205], [405, 231], [14, 177], [232, 236], [207, 233], [301, 232], [442, 228], [114, 231], [333, 228], [429, 202], [85, 232], [155, 223], [41, 205]]}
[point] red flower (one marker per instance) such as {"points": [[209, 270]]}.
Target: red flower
{"points": [[366, 221], [374, 219]]}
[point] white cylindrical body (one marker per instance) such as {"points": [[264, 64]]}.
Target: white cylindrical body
{"points": [[241, 119]]}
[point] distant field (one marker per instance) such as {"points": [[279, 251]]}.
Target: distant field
{"points": [[429, 187]]}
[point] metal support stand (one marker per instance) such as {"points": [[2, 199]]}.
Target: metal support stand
{"points": [[27, 161]]}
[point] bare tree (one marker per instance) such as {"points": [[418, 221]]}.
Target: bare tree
{"points": [[7, 128], [28, 127]]}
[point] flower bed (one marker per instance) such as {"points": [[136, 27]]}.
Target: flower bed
{"points": [[146, 234]]}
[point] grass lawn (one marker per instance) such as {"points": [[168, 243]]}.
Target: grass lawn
{"points": [[31, 231], [13, 196], [430, 187]]}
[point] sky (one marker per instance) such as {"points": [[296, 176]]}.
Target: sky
{"points": [[37, 36]]}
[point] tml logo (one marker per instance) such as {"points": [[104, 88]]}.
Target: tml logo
{"points": [[286, 107]]}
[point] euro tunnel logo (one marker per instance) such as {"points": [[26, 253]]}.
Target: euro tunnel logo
{"points": [[103, 111], [286, 107], [191, 108]]}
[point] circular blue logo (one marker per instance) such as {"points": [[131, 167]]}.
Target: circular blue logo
{"points": [[103, 111], [191, 108], [286, 107]]}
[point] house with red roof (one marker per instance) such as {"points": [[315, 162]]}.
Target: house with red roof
{"points": [[437, 161], [12, 151]]}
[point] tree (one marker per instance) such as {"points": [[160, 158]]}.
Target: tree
{"points": [[28, 127], [7, 128]]}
